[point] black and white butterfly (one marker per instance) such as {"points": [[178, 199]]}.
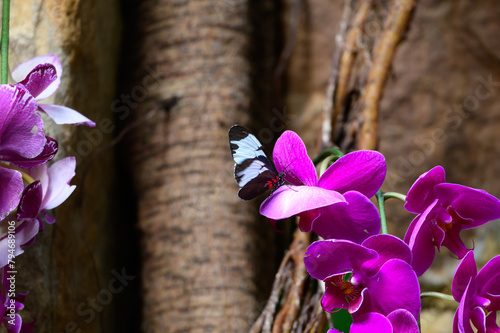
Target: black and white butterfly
{"points": [[254, 172]]}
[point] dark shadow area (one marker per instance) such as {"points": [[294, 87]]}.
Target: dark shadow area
{"points": [[128, 303]]}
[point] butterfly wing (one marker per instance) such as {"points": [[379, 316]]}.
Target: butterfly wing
{"points": [[252, 176], [252, 169]]}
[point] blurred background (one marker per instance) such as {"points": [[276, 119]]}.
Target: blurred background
{"points": [[155, 238]]}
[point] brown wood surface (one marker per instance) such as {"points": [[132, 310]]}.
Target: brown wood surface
{"points": [[199, 240]]}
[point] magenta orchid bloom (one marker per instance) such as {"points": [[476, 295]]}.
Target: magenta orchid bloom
{"points": [[444, 210], [21, 139], [478, 294], [10, 305], [374, 276], [334, 206], [50, 189], [41, 76]]}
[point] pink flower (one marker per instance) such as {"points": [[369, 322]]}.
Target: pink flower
{"points": [[374, 276], [334, 206], [478, 294], [41, 76], [50, 189], [444, 210]]}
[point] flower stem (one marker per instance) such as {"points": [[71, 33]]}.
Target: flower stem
{"points": [[326, 163], [381, 208], [445, 297], [325, 153], [4, 70], [394, 195]]}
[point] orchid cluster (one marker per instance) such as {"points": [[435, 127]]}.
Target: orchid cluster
{"points": [[374, 275], [29, 186]]}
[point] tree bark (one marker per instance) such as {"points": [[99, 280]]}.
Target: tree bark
{"points": [[199, 240], [70, 264]]}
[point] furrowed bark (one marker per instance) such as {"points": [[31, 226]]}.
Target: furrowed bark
{"points": [[199, 240]]}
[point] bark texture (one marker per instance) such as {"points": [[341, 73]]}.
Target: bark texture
{"points": [[71, 263], [201, 244]]}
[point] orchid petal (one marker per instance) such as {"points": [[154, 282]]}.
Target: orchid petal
{"points": [[461, 320], [388, 247], [49, 151], [488, 280], [489, 271], [333, 297], [290, 156], [64, 115], [420, 241], [23, 70], [21, 127], [12, 186], [403, 321], [394, 272], [59, 174], [421, 193], [466, 270], [24, 234], [41, 77], [478, 319], [471, 204], [371, 322], [453, 241], [356, 303], [363, 171], [307, 219], [289, 200], [29, 206], [328, 257], [356, 221], [16, 326], [491, 323]]}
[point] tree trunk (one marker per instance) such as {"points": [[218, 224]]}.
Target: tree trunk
{"points": [[200, 242]]}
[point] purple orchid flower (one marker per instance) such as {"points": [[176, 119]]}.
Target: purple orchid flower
{"points": [[444, 210], [478, 294], [334, 206], [50, 189], [11, 304], [41, 76], [374, 276], [21, 139]]}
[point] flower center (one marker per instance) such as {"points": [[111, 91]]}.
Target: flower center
{"points": [[446, 226], [350, 291]]}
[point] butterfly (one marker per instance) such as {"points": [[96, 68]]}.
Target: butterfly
{"points": [[254, 172]]}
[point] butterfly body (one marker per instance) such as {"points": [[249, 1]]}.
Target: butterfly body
{"points": [[254, 171]]}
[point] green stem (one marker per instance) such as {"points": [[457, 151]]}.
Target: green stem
{"points": [[435, 294], [395, 195], [326, 163], [381, 208], [4, 70], [325, 153]]}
